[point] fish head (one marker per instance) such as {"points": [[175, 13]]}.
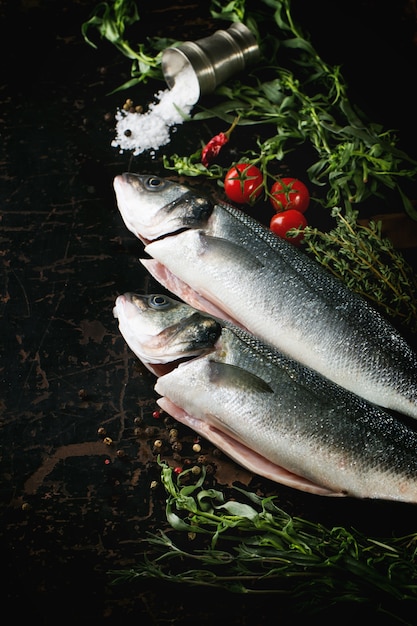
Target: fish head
{"points": [[162, 331], [152, 207]]}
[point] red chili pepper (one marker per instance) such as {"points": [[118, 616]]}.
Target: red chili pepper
{"points": [[213, 147]]}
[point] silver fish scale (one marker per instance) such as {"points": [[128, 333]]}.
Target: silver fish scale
{"points": [[323, 411], [342, 321]]}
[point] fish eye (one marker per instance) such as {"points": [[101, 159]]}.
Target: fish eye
{"points": [[153, 183], [159, 302]]}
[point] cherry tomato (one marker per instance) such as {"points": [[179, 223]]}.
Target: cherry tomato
{"points": [[243, 183], [290, 193], [282, 222]]}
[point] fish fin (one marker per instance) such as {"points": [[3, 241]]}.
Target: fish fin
{"points": [[237, 377], [229, 249]]}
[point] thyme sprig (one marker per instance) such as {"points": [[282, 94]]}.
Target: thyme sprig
{"points": [[368, 263], [250, 545]]}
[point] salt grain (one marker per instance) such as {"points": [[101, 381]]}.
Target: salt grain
{"points": [[151, 130]]}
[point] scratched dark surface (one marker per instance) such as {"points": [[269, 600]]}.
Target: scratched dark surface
{"points": [[73, 507]]}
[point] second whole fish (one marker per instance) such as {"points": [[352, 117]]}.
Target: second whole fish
{"points": [[221, 261], [266, 411]]}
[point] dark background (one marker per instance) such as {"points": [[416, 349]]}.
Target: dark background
{"points": [[72, 507]]}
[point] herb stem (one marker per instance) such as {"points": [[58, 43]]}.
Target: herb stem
{"points": [[275, 553]]}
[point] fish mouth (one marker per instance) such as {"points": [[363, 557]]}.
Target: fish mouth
{"points": [[163, 236], [160, 369], [146, 348]]}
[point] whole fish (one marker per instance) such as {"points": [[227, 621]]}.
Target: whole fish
{"points": [[220, 260], [266, 411]]}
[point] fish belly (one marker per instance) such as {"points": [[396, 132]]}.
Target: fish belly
{"points": [[317, 434]]}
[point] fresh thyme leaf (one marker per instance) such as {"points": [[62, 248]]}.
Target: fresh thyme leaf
{"points": [[368, 263]]}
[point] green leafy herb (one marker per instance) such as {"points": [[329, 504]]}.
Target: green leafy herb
{"points": [[111, 21], [368, 263], [250, 545], [303, 98], [307, 102], [233, 11], [191, 165]]}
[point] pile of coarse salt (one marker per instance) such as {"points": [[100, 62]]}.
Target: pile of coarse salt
{"points": [[151, 130]]}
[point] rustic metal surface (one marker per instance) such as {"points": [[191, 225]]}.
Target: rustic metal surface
{"points": [[72, 506]]}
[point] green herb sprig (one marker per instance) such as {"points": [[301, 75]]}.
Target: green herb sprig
{"points": [[111, 21], [307, 102], [368, 263], [254, 547]]}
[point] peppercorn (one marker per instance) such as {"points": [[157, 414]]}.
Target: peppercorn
{"points": [[157, 445], [128, 104], [173, 433]]}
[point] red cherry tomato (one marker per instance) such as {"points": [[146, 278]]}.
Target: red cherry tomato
{"points": [[243, 183], [282, 222], [290, 193]]}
